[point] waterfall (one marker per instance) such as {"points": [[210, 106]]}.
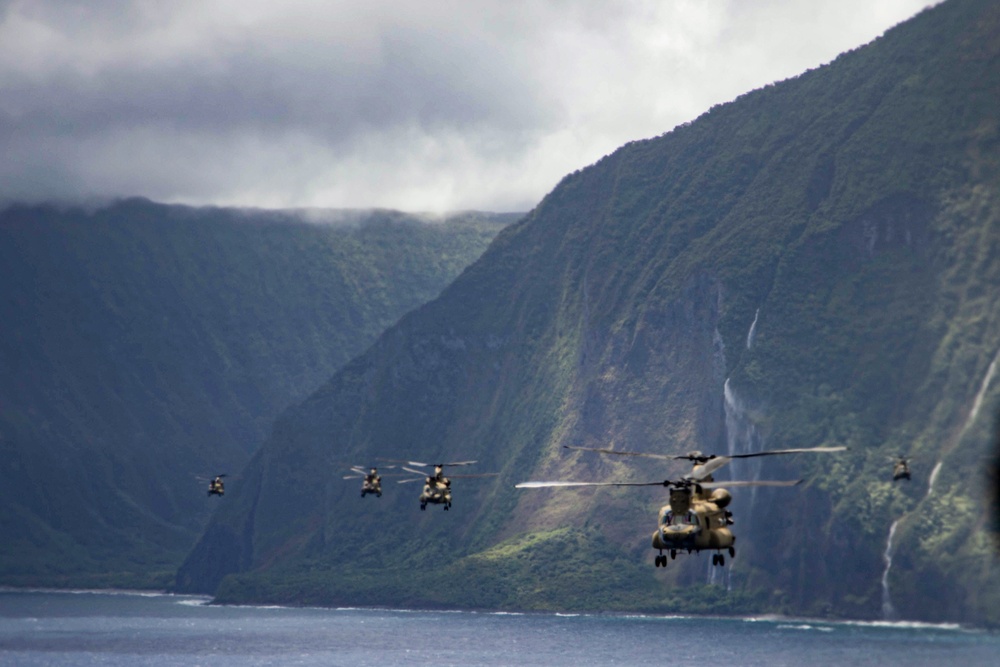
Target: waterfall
{"points": [[978, 402], [741, 438], [722, 574], [933, 478], [888, 611], [753, 329]]}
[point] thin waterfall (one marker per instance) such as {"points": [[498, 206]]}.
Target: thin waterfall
{"points": [[753, 329], [978, 402], [722, 575], [933, 478], [742, 437], [888, 611]]}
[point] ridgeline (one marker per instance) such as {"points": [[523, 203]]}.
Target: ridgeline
{"points": [[145, 348], [815, 263]]}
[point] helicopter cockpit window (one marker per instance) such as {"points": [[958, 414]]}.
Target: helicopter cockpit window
{"points": [[666, 518]]}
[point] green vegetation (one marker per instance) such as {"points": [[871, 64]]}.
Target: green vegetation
{"points": [[855, 207], [143, 345]]}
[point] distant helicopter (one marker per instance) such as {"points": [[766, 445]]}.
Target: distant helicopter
{"points": [[371, 481], [437, 487], [216, 487], [901, 469], [694, 520]]}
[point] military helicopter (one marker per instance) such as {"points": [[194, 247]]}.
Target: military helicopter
{"points": [[901, 469], [695, 520], [371, 481], [216, 487], [437, 487]]}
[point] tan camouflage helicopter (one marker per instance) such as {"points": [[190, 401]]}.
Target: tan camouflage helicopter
{"points": [[371, 481], [901, 469], [216, 486], [437, 487], [695, 520]]}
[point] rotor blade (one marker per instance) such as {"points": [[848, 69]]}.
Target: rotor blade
{"points": [[485, 474], [839, 448], [542, 485], [703, 470], [458, 463], [396, 474], [619, 453], [415, 472], [411, 463], [406, 481], [741, 483]]}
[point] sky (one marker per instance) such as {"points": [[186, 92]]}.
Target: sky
{"points": [[418, 105]]}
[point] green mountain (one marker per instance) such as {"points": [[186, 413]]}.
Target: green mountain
{"points": [[144, 345], [815, 263]]}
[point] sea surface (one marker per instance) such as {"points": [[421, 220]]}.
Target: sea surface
{"points": [[129, 628]]}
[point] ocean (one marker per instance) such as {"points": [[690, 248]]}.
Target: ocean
{"points": [[133, 628]]}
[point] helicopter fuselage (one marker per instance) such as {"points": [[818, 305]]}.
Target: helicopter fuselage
{"points": [[692, 523], [371, 485], [437, 491]]}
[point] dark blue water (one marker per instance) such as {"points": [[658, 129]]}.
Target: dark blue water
{"points": [[99, 628]]}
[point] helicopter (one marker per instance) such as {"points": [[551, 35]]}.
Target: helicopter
{"points": [[696, 519], [216, 487], [437, 487], [371, 481], [901, 469]]}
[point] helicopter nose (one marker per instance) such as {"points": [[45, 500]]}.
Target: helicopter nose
{"points": [[675, 533]]}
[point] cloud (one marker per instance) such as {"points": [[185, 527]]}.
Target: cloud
{"points": [[416, 105]]}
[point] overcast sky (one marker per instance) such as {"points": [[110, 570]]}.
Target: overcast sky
{"points": [[418, 105]]}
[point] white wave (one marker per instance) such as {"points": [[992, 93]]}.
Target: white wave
{"points": [[193, 603], [88, 591], [806, 626], [908, 625]]}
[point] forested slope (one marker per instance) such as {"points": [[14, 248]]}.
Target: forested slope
{"points": [[144, 345], [815, 263]]}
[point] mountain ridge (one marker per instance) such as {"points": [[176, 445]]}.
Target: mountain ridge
{"points": [[849, 215], [145, 344]]}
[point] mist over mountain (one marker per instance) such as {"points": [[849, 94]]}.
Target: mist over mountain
{"points": [[146, 347], [815, 263]]}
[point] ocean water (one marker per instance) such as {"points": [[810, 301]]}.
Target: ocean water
{"points": [[124, 628]]}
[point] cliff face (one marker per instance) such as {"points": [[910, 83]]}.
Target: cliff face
{"points": [[143, 346], [812, 264]]}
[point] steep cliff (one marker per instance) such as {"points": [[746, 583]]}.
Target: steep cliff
{"points": [[814, 263]]}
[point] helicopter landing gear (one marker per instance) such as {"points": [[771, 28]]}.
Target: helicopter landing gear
{"points": [[732, 552], [423, 507], [673, 554], [447, 507], [718, 559], [660, 561]]}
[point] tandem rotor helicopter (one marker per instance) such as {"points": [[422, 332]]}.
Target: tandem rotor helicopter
{"points": [[437, 487], [901, 469], [371, 481], [215, 485], [695, 520]]}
